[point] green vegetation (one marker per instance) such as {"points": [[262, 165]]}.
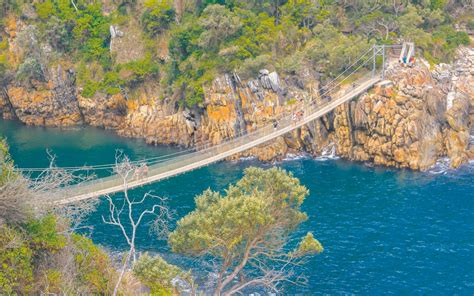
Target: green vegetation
{"points": [[252, 222], [3, 57], [157, 274], [84, 31], [38, 252], [32, 260], [247, 230], [209, 37], [157, 16], [6, 163]]}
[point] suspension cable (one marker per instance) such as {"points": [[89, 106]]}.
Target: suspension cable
{"points": [[162, 158]]}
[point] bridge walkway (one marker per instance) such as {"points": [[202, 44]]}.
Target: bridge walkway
{"points": [[191, 161]]}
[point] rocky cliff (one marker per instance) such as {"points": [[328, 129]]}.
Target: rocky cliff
{"points": [[410, 120]]}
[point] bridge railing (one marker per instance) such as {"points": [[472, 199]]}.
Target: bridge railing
{"points": [[283, 122]]}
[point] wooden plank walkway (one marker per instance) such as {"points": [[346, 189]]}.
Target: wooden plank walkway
{"points": [[191, 161]]}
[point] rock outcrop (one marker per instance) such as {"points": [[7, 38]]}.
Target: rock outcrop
{"points": [[105, 111], [410, 120], [413, 118], [53, 103]]}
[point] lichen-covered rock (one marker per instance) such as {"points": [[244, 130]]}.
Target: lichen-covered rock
{"points": [[407, 121], [104, 110], [49, 104]]}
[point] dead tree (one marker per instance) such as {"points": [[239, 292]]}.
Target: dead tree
{"points": [[121, 213]]}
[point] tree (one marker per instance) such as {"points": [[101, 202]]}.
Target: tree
{"points": [[306, 13], [157, 16], [160, 276], [219, 24], [58, 34], [126, 170], [377, 24], [16, 271], [246, 231], [331, 51], [39, 254]]}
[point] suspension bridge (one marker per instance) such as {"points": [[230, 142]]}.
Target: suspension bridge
{"points": [[167, 166]]}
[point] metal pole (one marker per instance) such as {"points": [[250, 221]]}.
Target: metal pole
{"points": [[383, 62], [373, 67]]}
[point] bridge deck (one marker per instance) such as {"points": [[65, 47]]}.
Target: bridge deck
{"points": [[188, 162]]}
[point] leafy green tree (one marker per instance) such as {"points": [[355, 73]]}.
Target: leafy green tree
{"points": [[157, 16], [16, 270], [44, 234], [82, 27], [44, 9], [139, 70], [258, 36], [29, 70], [38, 253], [306, 13], [247, 230], [331, 51], [157, 274], [377, 24], [410, 21], [219, 23], [94, 267], [438, 4]]}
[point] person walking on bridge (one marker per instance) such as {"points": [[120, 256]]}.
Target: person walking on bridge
{"points": [[144, 168]]}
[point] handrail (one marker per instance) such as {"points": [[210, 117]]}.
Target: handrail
{"points": [[162, 167], [212, 154], [331, 85]]}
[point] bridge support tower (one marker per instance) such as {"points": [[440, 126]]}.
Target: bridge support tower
{"points": [[379, 50]]}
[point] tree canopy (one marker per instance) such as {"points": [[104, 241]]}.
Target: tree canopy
{"points": [[206, 38], [247, 230]]}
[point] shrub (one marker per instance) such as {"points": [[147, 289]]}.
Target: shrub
{"points": [[16, 270], [85, 30], [45, 9], [157, 16], [250, 67], [156, 274], [139, 70], [94, 266], [29, 70], [44, 234], [6, 163], [219, 24]]}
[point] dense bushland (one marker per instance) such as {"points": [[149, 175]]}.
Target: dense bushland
{"points": [[208, 38], [39, 252]]}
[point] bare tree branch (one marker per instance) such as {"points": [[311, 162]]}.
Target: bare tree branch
{"points": [[126, 170]]}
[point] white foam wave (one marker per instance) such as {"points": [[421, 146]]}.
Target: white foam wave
{"points": [[328, 153], [246, 158], [442, 166], [291, 156]]}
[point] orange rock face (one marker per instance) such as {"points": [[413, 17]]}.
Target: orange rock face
{"points": [[40, 108], [408, 121]]}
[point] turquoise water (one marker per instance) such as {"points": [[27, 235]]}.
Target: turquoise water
{"points": [[384, 231]]}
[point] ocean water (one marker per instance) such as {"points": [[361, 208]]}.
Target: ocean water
{"points": [[384, 231]]}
